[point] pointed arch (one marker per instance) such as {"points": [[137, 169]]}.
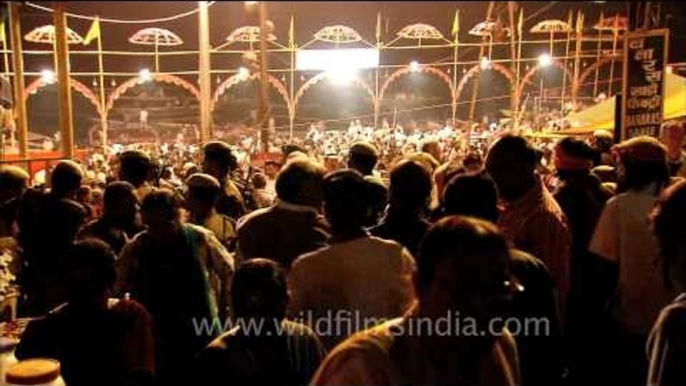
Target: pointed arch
{"points": [[162, 78], [237, 78], [81, 88]]}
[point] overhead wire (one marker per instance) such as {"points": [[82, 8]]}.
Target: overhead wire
{"points": [[121, 21]]}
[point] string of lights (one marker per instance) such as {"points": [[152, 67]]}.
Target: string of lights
{"points": [[121, 21]]}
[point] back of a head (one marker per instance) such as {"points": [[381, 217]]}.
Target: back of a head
{"points": [[511, 150], [203, 187], [473, 195], [66, 178], [345, 201], [363, 157], [160, 206], [410, 185], [259, 290], [668, 227], [573, 156], [259, 181], [425, 159], [116, 192], [220, 153], [473, 246], [645, 161], [13, 180], [135, 167], [91, 268], [300, 182]]}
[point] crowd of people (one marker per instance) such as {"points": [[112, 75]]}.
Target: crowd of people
{"points": [[194, 265]]}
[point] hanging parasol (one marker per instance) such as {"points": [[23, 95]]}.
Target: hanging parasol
{"points": [[489, 29], [247, 34], [155, 37], [46, 35], [338, 34], [614, 23], [551, 27], [420, 31]]}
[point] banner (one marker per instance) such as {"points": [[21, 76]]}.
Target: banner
{"points": [[643, 83]]}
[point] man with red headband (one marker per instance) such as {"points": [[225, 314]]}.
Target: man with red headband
{"points": [[582, 197]]}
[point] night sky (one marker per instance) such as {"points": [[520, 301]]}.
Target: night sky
{"points": [[309, 18]]}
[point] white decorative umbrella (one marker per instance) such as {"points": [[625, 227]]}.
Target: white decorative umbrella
{"points": [[155, 37], [46, 35]]}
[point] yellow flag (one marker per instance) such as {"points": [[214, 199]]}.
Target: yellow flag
{"points": [[456, 23], [520, 23], [3, 38], [93, 32], [569, 19], [579, 23], [291, 33]]}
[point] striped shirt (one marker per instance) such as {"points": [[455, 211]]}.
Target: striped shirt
{"points": [[535, 223]]}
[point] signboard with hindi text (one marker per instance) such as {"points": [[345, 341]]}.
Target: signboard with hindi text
{"points": [[645, 58]]}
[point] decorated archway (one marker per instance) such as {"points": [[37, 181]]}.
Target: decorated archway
{"points": [[164, 78], [75, 84], [475, 70], [527, 77], [422, 69], [323, 75], [591, 69], [237, 78]]}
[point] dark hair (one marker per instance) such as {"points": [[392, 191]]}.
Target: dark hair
{"points": [[220, 152], [296, 178], [96, 257], [117, 191], [135, 167], [511, 149], [460, 239], [259, 290], [378, 199], [66, 178], [668, 219], [345, 200], [164, 202], [259, 181], [363, 157], [639, 174], [411, 185], [472, 195], [12, 180]]}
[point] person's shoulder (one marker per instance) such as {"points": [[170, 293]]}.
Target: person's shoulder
{"points": [[362, 358], [309, 258], [672, 319], [253, 217]]}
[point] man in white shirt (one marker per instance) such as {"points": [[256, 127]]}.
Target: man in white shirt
{"points": [[358, 277]]}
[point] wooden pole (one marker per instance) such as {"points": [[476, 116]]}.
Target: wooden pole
{"points": [[157, 53], [4, 54], [577, 56], [597, 58], [475, 89], [513, 54], [291, 110], [264, 82], [453, 105], [63, 80], [564, 71], [18, 64], [101, 82], [615, 33], [518, 87], [205, 78]]}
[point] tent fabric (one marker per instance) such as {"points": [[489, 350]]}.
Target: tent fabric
{"points": [[602, 115]]}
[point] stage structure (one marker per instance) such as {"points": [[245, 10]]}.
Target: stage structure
{"points": [[357, 59]]}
